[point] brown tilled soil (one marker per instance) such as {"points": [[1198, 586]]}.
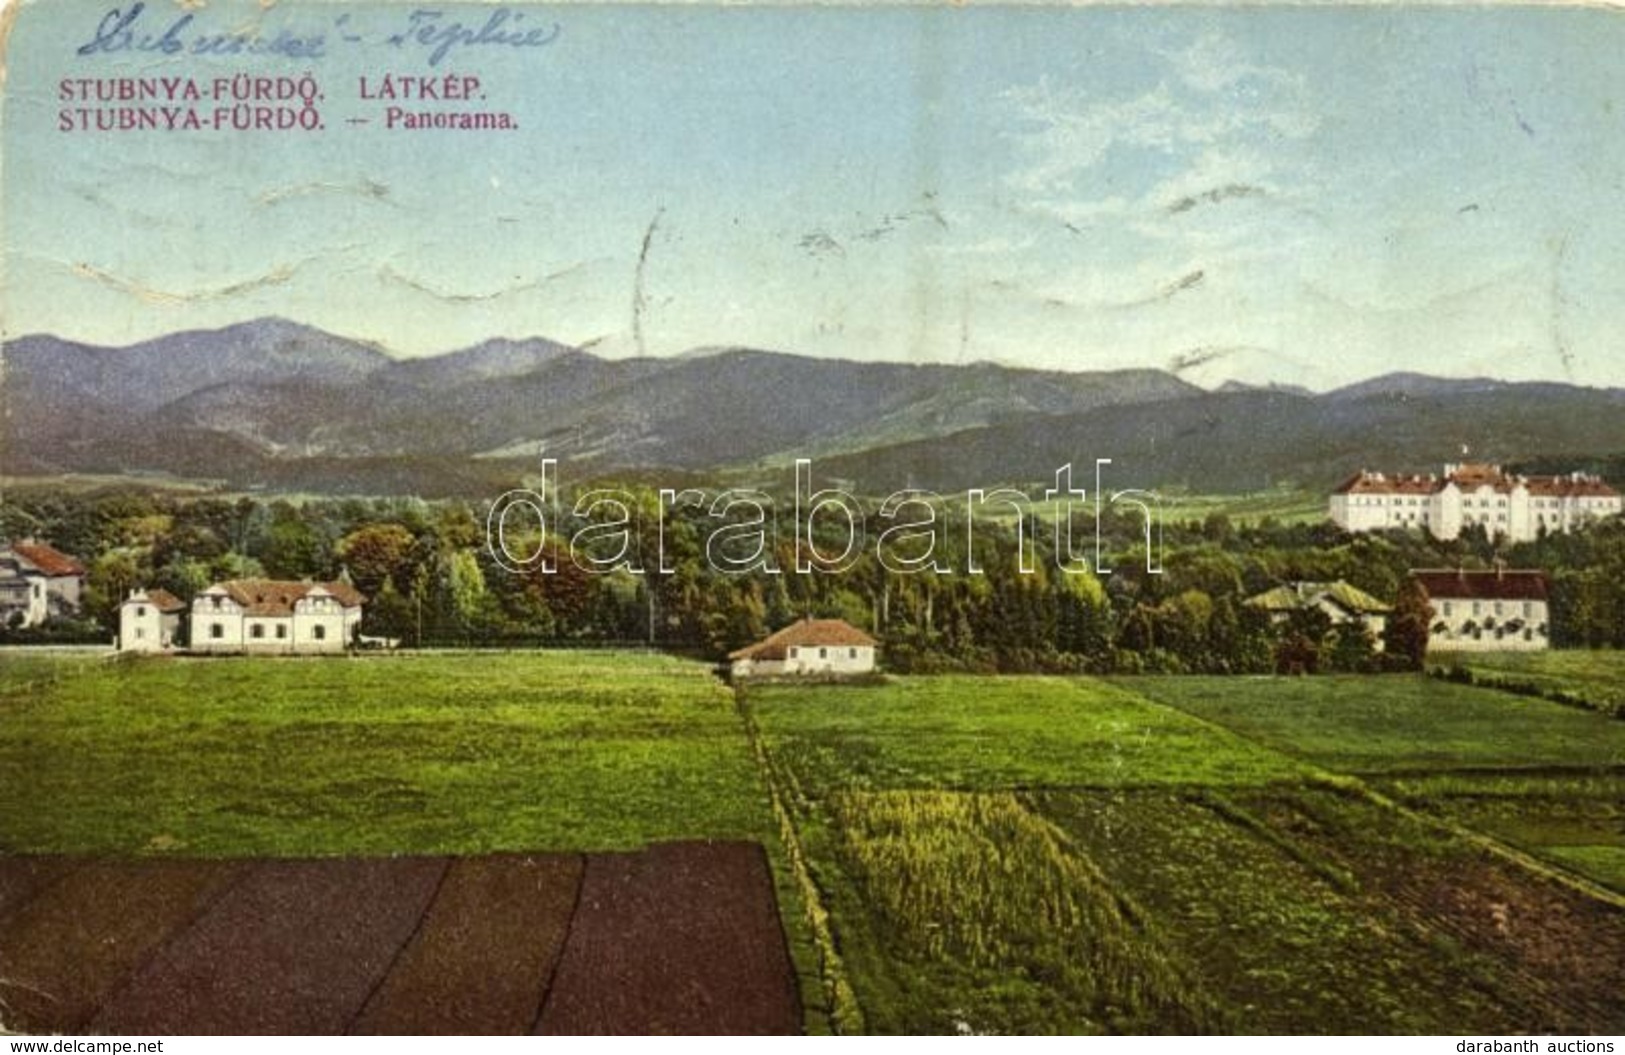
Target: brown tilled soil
{"points": [[1553, 956], [463, 972], [683, 937], [65, 951], [717, 966], [1566, 950]]}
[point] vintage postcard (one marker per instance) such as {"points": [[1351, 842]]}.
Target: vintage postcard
{"points": [[883, 518]]}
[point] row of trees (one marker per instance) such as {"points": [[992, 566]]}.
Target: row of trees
{"points": [[431, 578]]}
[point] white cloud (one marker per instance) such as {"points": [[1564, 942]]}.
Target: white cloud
{"points": [[1209, 107], [1214, 63], [1064, 133]]}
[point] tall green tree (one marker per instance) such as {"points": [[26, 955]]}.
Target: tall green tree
{"points": [[1405, 638]]}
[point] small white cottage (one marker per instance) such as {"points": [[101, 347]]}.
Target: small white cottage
{"points": [[811, 646]]}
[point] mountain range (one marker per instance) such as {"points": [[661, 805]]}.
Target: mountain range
{"points": [[277, 404]]}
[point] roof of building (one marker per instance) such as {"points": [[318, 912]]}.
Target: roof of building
{"points": [[1577, 485], [1364, 482], [159, 598], [1501, 584], [1470, 476], [47, 559], [1295, 595], [806, 632], [270, 597]]}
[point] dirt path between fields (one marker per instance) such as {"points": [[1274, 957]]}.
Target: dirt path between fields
{"points": [[677, 938]]}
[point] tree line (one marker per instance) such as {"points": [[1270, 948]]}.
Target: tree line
{"points": [[431, 580]]}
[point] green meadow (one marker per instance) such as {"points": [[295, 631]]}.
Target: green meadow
{"points": [[1590, 678], [438, 752], [1375, 725]]}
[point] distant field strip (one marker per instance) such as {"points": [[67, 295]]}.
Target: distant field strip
{"points": [[1595, 678], [434, 753], [1576, 822], [985, 733], [1395, 724]]}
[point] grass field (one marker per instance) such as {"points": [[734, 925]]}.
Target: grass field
{"points": [[1187, 854], [1395, 724], [952, 854], [43, 669], [974, 732], [1547, 778], [422, 754], [1283, 506], [1573, 820], [1596, 678]]}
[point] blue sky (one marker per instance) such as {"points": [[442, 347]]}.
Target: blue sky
{"points": [[1305, 195]]}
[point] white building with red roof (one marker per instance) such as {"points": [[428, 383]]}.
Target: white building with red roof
{"points": [[37, 582], [247, 615], [810, 646], [1480, 611], [1518, 507]]}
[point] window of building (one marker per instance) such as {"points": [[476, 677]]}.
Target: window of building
{"points": [[1497, 607], [281, 631], [851, 653], [140, 632], [823, 653], [1447, 608], [319, 632], [1528, 609], [140, 611], [217, 630], [1478, 607], [257, 630]]}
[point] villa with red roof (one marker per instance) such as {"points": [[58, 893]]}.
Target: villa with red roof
{"points": [[808, 647], [37, 582], [247, 615], [1520, 508]]}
